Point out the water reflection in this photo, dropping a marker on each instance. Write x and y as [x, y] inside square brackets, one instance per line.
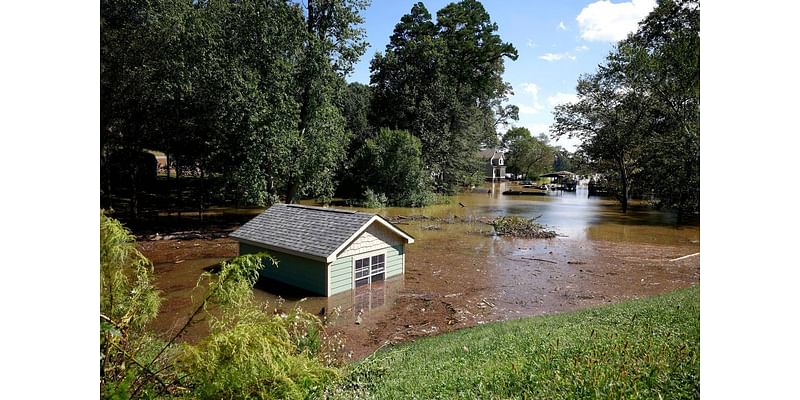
[571, 214]
[371, 298]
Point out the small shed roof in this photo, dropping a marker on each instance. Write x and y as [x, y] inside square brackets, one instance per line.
[312, 232]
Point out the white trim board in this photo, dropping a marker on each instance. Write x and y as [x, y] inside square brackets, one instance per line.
[333, 256]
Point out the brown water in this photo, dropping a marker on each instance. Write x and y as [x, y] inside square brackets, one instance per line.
[458, 274]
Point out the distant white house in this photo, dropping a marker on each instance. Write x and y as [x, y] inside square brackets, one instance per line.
[494, 164]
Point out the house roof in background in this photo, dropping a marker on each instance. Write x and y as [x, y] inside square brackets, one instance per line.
[489, 153]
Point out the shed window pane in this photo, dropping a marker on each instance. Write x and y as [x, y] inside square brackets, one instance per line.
[377, 268]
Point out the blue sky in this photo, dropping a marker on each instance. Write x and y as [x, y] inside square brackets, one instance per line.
[557, 41]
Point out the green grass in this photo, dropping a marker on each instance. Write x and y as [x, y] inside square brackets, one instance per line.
[647, 348]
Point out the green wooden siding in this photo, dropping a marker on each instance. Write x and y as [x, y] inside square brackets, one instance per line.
[296, 271]
[342, 268]
[341, 275]
[394, 260]
[313, 275]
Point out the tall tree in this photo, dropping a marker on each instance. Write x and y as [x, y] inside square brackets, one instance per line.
[442, 81]
[664, 56]
[610, 118]
[333, 43]
[639, 113]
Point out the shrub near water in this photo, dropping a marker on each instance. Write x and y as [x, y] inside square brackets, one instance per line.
[641, 349]
[249, 352]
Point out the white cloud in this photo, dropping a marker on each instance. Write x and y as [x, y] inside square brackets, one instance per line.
[582, 47]
[531, 88]
[531, 43]
[535, 107]
[561, 98]
[557, 56]
[611, 22]
[562, 26]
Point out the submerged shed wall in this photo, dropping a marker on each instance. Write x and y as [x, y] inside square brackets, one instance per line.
[293, 270]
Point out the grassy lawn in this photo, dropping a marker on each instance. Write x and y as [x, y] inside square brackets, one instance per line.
[646, 348]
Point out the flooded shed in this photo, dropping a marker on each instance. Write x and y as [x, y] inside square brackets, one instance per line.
[324, 250]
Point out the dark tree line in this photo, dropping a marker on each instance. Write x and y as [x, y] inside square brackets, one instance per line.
[248, 98]
[639, 114]
[244, 91]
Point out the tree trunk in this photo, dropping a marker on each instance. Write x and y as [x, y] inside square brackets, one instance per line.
[108, 204]
[178, 192]
[291, 191]
[202, 190]
[134, 205]
[624, 181]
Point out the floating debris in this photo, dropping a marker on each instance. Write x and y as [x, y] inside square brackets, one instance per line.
[521, 227]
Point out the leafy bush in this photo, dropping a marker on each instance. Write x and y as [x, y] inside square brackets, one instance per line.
[249, 353]
[374, 200]
[392, 164]
[128, 301]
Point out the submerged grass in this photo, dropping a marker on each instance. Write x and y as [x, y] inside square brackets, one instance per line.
[647, 348]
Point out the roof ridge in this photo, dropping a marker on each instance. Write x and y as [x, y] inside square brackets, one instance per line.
[324, 209]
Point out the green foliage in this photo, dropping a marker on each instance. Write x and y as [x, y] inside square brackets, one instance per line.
[639, 114]
[442, 82]
[391, 164]
[127, 295]
[528, 155]
[128, 301]
[563, 160]
[370, 199]
[521, 227]
[647, 348]
[241, 90]
[248, 353]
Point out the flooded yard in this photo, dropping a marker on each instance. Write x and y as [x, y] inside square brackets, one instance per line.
[458, 274]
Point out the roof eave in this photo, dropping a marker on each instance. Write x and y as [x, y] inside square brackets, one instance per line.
[282, 249]
[408, 238]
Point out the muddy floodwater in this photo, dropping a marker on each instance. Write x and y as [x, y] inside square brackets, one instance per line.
[458, 274]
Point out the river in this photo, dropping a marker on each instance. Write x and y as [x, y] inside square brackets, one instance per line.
[458, 274]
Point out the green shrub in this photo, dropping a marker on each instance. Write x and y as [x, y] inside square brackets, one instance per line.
[248, 353]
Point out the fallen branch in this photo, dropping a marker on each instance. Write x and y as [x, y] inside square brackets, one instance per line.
[539, 259]
[681, 258]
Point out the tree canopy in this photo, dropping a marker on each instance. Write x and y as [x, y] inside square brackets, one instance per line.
[244, 90]
[527, 155]
[638, 115]
[442, 82]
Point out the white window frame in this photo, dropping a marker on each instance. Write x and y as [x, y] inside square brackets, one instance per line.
[370, 275]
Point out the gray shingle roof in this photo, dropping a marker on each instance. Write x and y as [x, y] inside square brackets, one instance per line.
[314, 231]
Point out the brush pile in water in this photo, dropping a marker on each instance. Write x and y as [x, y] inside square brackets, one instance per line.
[521, 227]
